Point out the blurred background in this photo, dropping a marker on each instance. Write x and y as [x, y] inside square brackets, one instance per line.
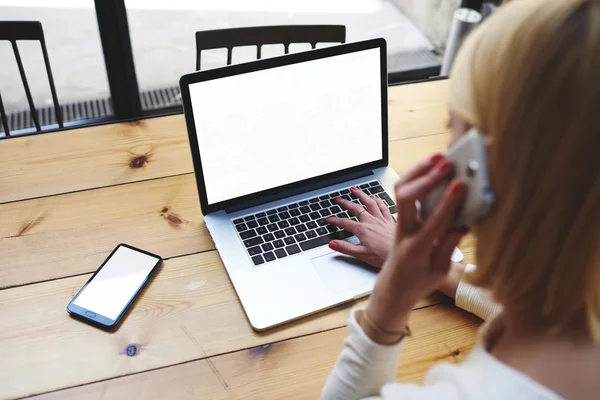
[163, 44]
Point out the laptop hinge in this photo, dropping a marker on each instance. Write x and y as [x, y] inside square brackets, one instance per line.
[302, 189]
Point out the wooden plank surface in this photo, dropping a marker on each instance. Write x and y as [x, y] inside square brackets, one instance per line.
[292, 369]
[418, 109]
[65, 235]
[67, 198]
[189, 311]
[79, 159]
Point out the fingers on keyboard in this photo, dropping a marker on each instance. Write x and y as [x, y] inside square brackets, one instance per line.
[294, 228]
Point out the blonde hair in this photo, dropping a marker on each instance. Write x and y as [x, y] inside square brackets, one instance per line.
[530, 78]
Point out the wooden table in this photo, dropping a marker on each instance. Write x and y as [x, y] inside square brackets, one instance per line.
[66, 200]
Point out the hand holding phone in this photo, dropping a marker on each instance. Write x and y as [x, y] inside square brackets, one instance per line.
[419, 259]
[109, 293]
[468, 156]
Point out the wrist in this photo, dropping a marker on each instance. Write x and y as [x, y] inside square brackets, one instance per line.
[450, 284]
[389, 314]
[377, 334]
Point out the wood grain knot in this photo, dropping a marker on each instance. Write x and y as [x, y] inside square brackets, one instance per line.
[261, 351]
[135, 123]
[172, 218]
[138, 162]
[131, 350]
[456, 353]
[29, 225]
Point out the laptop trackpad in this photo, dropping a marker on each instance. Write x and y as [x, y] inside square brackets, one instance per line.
[345, 276]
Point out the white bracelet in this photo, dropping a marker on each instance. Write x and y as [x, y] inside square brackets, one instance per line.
[405, 333]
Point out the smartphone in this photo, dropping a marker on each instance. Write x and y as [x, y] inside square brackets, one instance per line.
[468, 156]
[109, 293]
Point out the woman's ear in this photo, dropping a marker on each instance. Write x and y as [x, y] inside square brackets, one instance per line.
[459, 127]
[488, 142]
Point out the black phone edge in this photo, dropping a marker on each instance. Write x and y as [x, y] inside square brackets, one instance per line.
[82, 317]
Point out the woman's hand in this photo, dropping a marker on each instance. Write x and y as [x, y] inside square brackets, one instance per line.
[375, 230]
[450, 285]
[376, 227]
[419, 259]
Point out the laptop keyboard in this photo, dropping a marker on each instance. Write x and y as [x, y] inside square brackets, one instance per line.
[297, 227]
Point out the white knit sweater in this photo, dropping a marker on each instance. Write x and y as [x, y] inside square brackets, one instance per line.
[367, 370]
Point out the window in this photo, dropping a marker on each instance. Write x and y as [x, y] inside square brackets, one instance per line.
[163, 34]
[76, 58]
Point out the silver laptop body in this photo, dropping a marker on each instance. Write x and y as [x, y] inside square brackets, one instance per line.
[274, 142]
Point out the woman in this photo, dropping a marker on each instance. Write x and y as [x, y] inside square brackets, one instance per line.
[530, 78]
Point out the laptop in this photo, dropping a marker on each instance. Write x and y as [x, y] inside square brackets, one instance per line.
[274, 142]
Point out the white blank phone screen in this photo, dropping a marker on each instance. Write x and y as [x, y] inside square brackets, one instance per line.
[265, 129]
[112, 288]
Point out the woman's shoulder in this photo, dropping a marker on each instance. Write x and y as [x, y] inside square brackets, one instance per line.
[479, 376]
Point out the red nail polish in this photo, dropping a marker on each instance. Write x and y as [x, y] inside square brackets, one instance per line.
[333, 245]
[435, 158]
[338, 198]
[354, 188]
[444, 166]
[456, 186]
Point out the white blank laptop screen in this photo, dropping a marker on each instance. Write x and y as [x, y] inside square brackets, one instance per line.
[269, 128]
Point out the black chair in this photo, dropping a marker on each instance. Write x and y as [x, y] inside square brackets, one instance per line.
[264, 35]
[28, 30]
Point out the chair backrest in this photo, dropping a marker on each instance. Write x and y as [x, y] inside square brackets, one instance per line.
[264, 35]
[28, 30]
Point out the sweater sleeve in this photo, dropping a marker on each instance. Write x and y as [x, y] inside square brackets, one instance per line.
[475, 300]
[363, 367]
